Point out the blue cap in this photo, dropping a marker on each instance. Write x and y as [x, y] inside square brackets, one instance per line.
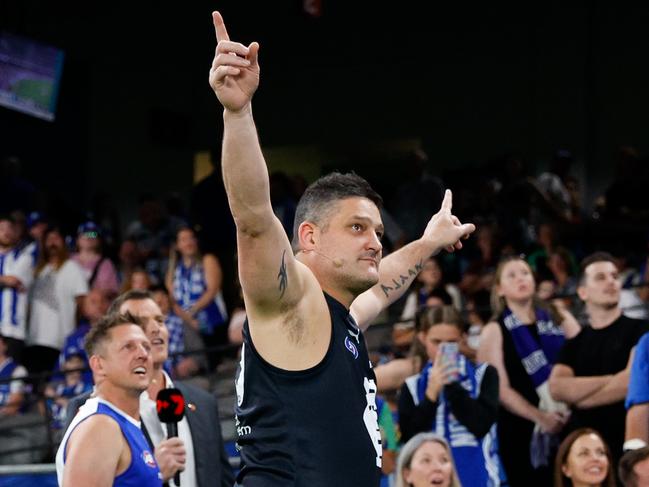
[34, 217]
[89, 229]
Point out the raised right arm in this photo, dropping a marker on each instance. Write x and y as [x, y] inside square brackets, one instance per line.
[269, 273]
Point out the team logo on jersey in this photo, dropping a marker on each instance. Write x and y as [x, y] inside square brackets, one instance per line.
[349, 345]
[148, 459]
[356, 334]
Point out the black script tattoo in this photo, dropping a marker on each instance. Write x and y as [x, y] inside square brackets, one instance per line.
[282, 276]
[403, 280]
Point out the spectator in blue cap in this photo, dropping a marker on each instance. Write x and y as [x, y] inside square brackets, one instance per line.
[98, 269]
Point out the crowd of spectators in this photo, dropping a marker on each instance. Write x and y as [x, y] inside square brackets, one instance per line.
[548, 304]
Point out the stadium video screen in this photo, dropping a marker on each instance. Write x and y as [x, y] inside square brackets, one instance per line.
[30, 73]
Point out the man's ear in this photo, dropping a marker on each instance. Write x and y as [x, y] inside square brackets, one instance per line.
[95, 365]
[582, 293]
[308, 235]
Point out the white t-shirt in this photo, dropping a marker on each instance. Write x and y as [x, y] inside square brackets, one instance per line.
[53, 307]
[13, 304]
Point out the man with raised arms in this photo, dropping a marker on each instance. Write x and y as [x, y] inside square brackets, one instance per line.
[306, 412]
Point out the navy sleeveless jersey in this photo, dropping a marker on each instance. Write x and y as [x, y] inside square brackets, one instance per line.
[316, 427]
[143, 470]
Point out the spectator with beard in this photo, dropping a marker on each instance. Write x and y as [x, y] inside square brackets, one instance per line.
[592, 370]
[15, 279]
[59, 288]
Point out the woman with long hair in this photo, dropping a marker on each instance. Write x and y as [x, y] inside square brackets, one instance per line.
[426, 460]
[195, 283]
[584, 460]
[522, 341]
[454, 398]
[98, 269]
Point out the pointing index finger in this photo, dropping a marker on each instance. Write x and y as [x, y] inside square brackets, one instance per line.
[219, 27]
[447, 202]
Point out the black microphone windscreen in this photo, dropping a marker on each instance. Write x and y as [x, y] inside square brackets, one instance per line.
[170, 405]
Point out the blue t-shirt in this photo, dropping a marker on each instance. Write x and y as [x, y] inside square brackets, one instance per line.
[638, 391]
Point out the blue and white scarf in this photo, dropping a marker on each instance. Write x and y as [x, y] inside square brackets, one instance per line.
[537, 357]
[476, 459]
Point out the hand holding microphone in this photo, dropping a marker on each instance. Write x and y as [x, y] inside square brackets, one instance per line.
[170, 405]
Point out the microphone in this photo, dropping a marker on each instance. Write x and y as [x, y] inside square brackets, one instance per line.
[336, 261]
[170, 405]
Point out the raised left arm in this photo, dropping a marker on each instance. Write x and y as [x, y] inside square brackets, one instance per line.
[398, 270]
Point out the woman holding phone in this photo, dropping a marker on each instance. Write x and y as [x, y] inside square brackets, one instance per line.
[454, 398]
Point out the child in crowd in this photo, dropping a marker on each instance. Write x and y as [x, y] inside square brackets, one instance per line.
[59, 393]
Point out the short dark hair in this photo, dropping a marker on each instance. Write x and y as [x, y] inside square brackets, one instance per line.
[591, 259]
[6, 217]
[628, 461]
[132, 295]
[99, 333]
[314, 205]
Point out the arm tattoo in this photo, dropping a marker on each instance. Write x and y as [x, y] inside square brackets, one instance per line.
[282, 276]
[402, 280]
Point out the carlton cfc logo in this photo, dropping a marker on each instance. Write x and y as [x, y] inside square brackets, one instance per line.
[148, 459]
[349, 345]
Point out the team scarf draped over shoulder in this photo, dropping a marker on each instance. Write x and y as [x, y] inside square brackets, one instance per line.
[476, 459]
[537, 356]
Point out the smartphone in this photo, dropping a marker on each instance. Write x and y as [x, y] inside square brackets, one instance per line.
[450, 355]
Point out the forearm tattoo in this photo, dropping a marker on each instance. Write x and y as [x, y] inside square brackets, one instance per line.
[282, 276]
[398, 283]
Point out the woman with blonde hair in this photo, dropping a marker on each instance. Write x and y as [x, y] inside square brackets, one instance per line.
[522, 342]
[426, 460]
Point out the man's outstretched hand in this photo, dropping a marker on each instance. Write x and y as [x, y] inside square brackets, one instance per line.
[445, 229]
[234, 75]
